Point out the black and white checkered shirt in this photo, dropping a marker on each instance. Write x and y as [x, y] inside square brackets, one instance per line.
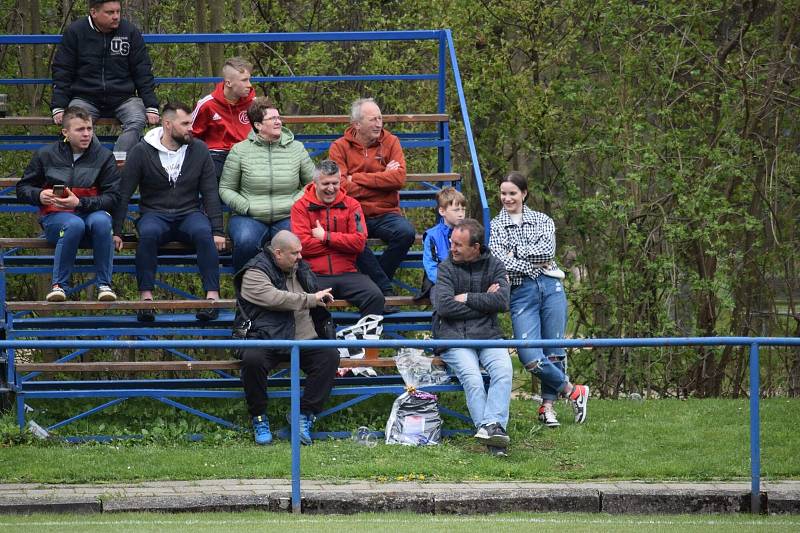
[523, 248]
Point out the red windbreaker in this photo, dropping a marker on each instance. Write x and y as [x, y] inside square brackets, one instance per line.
[345, 231]
[219, 123]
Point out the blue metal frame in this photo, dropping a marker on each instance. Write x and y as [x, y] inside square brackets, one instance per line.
[21, 325]
[294, 392]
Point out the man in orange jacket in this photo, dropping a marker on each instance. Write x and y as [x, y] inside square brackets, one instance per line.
[373, 172]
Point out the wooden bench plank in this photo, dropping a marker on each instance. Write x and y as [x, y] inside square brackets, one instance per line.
[130, 305]
[287, 119]
[40, 243]
[411, 178]
[178, 366]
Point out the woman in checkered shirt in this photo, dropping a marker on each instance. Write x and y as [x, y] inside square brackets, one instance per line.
[525, 240]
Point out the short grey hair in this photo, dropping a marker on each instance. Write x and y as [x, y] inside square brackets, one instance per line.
[327, 167]
[355, 109]
[282, 240]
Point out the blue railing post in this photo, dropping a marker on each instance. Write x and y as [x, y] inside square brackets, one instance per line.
[462, 102]
[755, 431]
[444, 164]
[295, 429]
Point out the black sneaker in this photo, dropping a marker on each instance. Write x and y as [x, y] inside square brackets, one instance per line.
[205, 315]
[493, 435]
[146, 315]
[497, 451]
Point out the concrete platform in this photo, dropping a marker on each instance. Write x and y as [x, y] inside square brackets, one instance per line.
[346, 497]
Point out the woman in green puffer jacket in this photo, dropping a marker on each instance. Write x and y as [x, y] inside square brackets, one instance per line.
[262, 178]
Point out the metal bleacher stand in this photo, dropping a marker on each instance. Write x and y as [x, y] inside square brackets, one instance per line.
[113, 322]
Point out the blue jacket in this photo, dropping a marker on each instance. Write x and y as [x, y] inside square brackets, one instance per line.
[435, 248]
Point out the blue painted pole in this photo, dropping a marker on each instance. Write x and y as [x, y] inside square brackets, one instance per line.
[295, 429]
[755, 431]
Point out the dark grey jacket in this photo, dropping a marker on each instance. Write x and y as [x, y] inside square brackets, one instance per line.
[477, 318]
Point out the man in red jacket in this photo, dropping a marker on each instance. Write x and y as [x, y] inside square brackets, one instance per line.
[330, 226]
[220, 118]
[373, 172]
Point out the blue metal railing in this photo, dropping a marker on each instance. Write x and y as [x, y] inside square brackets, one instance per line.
[754, 344]
[446, 50]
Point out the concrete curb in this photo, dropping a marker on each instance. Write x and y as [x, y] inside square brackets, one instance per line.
[321, 497]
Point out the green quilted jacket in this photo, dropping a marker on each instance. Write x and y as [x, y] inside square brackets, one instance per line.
[263, 179]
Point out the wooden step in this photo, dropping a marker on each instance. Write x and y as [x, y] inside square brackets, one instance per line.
[180, 366]
[286, 119]
[411, 178]
[40, 243]
[131, 305]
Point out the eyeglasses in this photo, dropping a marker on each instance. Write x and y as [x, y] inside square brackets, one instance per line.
[272, 119]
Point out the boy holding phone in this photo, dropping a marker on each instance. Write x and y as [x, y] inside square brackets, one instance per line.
[74, 184]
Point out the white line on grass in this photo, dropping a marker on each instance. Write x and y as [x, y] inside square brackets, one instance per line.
[352, 520]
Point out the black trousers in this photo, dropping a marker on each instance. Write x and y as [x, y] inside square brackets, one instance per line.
[318, 364]
[356, 288]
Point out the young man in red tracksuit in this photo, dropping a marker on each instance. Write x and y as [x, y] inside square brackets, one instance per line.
[220, 118]
[331, 229]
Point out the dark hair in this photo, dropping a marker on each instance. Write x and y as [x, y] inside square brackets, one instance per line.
[517, 179]
[475, 229]
[326, 168]
[172, 106]
[258, 109]
[74, 112]
[94, 3]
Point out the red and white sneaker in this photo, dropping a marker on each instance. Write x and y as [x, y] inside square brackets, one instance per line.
[547, 416]
[579, 398]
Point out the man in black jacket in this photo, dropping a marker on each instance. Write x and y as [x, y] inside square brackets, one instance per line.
[471, 288]
[75, 185]
[277, 298]
[102, 65]
[173, 172]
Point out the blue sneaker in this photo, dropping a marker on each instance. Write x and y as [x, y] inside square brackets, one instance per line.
[261, 430]
[306, 422]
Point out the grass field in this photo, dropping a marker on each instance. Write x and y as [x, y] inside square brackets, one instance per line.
[648, 440]
[252, 521]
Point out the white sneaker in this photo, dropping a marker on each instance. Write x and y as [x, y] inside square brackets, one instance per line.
[105, 294]
[553, 271]
[56, 294]
[547, 416]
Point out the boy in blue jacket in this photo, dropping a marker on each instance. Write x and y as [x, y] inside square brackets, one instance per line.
[436, 240]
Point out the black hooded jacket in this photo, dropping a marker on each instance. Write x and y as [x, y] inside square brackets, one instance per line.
[103, 68]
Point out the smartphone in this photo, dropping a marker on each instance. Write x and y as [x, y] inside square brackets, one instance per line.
[59, 191]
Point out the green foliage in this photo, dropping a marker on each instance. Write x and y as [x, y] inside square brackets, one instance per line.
[660, 136]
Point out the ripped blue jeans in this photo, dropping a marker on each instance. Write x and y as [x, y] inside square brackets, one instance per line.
[539, 311]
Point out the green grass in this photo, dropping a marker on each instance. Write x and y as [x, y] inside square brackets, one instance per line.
[649, 440]
[249, 521]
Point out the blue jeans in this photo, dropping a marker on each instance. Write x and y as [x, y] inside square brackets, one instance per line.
[250, 235]
[68, 231]
[156, 229]
[485, 406]
[398, 234]
[131, 114]
[539, 311]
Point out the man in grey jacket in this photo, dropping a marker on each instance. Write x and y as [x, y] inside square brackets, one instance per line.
[472, 287]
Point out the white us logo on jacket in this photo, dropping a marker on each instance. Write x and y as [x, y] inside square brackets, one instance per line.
[120, 46]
